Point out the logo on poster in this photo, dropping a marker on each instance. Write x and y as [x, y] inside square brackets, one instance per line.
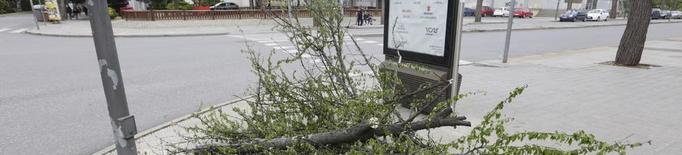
[431, 31]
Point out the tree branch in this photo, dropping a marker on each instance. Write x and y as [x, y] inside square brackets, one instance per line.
[362, 131]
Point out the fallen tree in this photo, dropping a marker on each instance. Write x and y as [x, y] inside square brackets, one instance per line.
[329, 106]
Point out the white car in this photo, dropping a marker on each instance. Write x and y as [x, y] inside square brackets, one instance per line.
[501, 12]
[598, 15]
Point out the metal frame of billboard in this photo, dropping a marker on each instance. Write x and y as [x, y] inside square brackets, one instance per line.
[449, 47]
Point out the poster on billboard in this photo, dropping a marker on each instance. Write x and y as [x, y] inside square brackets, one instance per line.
[420, 30]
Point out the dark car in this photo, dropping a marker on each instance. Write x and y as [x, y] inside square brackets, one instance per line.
[225, 6]
[573, 16]
[469, 12]
[666, 14]
[656, 14]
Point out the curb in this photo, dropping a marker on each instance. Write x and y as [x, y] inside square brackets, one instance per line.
[525, 29]
[127, 35]
[149, 131]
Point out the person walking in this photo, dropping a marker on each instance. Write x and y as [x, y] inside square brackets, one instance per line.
[359, 15]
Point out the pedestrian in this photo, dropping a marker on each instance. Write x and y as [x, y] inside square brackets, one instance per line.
[69, 12]
[85, 10]
[368, 18]
[359, 17]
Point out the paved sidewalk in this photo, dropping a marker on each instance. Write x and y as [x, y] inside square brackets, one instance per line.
[568, 91]
[122, 28]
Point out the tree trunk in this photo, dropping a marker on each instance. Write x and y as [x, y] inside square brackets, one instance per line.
[479, 6]
[614, 9]
[570, 5]
[632, 43]
[594, 4]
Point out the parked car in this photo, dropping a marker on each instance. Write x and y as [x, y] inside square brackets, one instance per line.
[676, 15]
[666, 14]
[573, 15]
[501, 12]
[225, 6]
[656, 14]
[523, 13]
[469, 12]
[598, 15]
[487, 11]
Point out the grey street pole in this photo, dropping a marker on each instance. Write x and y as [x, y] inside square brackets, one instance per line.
[122, 122]
[509, 29]
[289, 9]
[556, 13]
[454, 74]
[35, 19]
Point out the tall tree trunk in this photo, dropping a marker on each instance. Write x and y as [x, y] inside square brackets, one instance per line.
[479, 6]
[569, 6]
[594, 4]
[632, 43]
[614, 9]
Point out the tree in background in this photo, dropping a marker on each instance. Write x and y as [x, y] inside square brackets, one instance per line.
[632, 43]
[614, 9]
[5, 7]
[117, 4]
[570, 5]
[479, 6]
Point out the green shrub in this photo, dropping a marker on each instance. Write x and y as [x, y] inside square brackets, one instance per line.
[112, 13]
[5, 7]
[179, 6]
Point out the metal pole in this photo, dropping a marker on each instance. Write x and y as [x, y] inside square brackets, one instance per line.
[289, 9]
[454, 74]
[123, 123]
[556, 13]
[42, 7]
[509, 29]
[35, 19]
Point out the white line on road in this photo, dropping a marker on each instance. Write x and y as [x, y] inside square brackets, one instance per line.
[3, 29]
[271, 44]
[464, 62]
[290, 51]
[18, 30]
[370, 42]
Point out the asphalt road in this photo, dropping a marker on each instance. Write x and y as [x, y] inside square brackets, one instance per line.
[51, 93]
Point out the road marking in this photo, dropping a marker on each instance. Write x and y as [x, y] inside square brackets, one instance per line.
[315, 61]
[370, 42]
[284, 47]
[359, 39]
[464, 62]
[271, 41]
[18, 30]
[235, 36]
[3, 29]
[271, 44]
[290, 51]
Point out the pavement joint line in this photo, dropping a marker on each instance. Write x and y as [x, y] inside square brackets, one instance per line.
[152, 130]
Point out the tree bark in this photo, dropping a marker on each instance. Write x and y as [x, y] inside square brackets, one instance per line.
[614, 9]
[569, 6]
[632, 43]
[479, 6]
